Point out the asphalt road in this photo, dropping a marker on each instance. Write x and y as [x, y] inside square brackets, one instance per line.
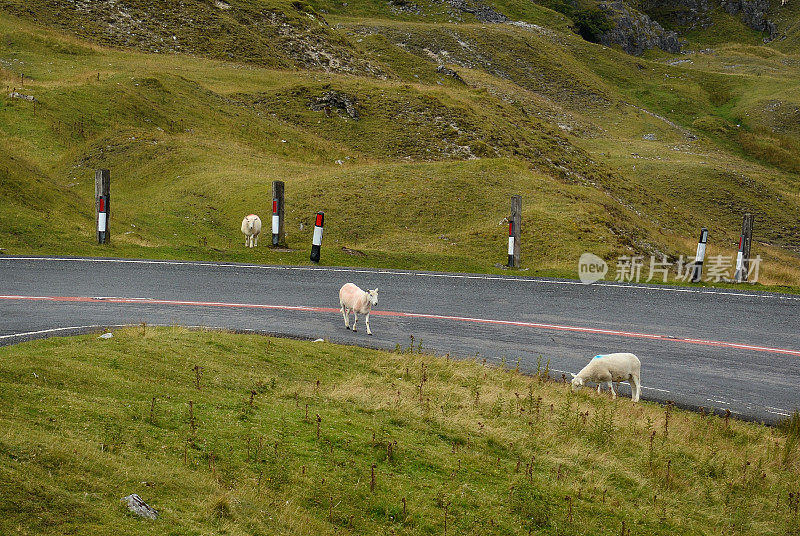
[725, 349]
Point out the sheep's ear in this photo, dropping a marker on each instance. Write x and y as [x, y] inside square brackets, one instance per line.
[574, 375]
[376, 290]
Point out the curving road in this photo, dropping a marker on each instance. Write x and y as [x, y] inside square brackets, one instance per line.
[725, 349]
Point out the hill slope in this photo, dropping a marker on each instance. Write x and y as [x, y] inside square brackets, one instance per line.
[612, 154]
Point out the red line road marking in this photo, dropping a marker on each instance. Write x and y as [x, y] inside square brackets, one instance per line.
[555, 327]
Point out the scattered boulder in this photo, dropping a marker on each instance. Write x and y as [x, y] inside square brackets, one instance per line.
[354, 252]
[405, 6]
[139, 507]
[441, 69]
[17, 95]
[338, 100]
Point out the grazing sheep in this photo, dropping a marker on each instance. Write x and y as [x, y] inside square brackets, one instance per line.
[352, 298]
[610, 368]
[251, 227]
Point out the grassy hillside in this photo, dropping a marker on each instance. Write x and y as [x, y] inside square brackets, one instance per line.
[612, 154]
[236, 434]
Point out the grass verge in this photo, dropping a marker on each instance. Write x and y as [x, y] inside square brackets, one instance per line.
[238, 434]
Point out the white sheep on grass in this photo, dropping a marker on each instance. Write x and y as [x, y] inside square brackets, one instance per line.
[608, 368]
[251, 227]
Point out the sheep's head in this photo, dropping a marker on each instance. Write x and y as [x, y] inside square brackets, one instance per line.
[577, 382]
[373, 296]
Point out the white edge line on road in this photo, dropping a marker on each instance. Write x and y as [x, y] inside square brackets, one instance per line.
[778, 413]
[56, 330]
[762, 295]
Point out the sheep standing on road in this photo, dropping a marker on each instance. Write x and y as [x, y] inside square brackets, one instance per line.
[352, 298]
[251, 227]
[610, 368]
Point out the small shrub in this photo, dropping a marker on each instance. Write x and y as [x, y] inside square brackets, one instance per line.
[531, 504]
[221, 507]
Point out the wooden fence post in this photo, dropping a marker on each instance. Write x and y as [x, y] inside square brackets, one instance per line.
[102, 204]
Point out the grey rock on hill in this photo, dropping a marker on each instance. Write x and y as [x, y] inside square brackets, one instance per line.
[636, 32]
[753, 14]
[680, 14]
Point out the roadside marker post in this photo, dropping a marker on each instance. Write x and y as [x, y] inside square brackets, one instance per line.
[102, 204]
[278, 230]
[316, 240]
[697, 267]
[511, 244]
[275, 222]
[743, 255]
[513, 231]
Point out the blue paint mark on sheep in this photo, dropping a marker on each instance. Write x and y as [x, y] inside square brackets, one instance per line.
[595, 357]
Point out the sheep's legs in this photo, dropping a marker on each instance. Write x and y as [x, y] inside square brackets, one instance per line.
[355, 319]
[256, 241]
[598, 388]
[366, 321]
[611, 387]
[636, 388]
[346, 316]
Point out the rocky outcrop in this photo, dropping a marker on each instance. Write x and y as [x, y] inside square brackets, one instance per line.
[684, 15]
[481, 11]
[441, 69]
[336, 100]
[634, 31]
[753, 14]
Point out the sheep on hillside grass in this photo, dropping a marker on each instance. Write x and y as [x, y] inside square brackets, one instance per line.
[251, 227]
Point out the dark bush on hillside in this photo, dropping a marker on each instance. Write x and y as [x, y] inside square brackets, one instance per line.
[591, 24]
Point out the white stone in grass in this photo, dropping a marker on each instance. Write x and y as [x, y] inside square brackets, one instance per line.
[139, 507]
[106, 336]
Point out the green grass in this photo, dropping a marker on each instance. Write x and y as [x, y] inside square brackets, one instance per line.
[194, 141]
[282, 436]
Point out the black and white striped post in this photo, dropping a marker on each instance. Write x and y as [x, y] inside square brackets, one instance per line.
[102, 204]
[276, 223]
[278, 231]
[737, 276]
[697, 267]
[316, 241]
[743, 255]
[511, 244]
[513, 231]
